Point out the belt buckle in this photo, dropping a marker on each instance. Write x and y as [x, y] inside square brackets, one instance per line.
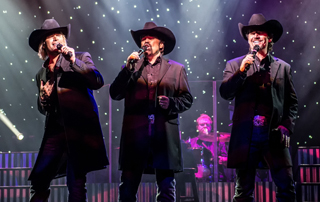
[259, 120]
[151, 118]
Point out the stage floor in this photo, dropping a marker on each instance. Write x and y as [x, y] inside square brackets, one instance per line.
[108, 192]
[15, 168]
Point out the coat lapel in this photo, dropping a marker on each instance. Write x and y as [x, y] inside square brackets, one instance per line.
[273, 68]
[275, 65]
[138, 68]
[43, 75]
[44, 71]
[163, 69]
[64, 64]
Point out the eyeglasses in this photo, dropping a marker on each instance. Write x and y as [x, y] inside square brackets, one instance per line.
[204, 124]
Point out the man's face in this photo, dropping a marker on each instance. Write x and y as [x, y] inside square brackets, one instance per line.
[52, 41]
[204, 126]
[258, 38]
[152, 43]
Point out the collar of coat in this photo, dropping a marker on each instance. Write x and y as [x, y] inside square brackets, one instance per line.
[274, 67]
[164, 67]
[61, 62]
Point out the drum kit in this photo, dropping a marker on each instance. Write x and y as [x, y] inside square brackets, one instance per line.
[202, 170]
[200, 154]
[224, 137]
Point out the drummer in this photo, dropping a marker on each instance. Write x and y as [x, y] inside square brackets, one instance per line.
[205, 140]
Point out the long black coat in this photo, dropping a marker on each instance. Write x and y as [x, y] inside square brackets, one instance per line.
[75, 85]
[135, 142]
[284, 112]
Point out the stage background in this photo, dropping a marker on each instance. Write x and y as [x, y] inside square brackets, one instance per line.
[207, 36]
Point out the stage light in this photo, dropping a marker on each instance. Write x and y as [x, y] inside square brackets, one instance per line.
[20, 137]
[8, 123]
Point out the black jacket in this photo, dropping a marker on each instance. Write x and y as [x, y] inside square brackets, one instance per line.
[79, 111]
[164, 146]
[284, 112]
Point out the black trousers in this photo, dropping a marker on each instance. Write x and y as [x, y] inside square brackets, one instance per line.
[245, 179]
[54, 148]
[130, 180]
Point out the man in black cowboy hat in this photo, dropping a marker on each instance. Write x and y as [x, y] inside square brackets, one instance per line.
[265, 111]
[73, 142]
[155, 90]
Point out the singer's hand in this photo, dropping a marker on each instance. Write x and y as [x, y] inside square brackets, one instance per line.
[248, 60]
[285, 136]
[135, 57]
[163, 101]
[46, 90]
[65, 51]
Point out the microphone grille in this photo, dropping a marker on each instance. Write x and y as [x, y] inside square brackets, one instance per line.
[256, 47]
[144, 48]
[59, 46]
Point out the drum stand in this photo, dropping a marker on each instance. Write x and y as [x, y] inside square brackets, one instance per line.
[188, 175]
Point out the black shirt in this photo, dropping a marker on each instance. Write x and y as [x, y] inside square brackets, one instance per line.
[153, 71]
[262, 82]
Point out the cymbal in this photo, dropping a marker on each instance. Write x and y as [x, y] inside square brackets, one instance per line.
[219, 133]
[224, 133]
[207, 138]
[224, 137]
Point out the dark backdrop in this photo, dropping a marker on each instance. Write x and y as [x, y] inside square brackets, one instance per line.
[207, 36]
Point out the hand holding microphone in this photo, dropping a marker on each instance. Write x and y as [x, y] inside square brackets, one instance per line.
[249, 59]
[67, 52]
[135, 56]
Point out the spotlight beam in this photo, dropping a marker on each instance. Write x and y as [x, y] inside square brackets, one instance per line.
[8, 123]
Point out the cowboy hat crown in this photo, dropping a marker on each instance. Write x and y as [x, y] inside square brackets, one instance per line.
[48, 27]
[259, 22]
[163, 33]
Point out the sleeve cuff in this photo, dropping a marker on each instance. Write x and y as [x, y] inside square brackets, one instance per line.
[243, 74]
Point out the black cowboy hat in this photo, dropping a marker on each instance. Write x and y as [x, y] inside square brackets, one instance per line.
[48, 27]
[163, 33]
[258, 22]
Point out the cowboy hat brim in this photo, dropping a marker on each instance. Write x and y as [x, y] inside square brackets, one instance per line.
[163, 33]
[271, 26]
[37, 36]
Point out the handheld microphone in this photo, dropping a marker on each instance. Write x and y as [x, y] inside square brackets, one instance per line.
[255, 49]
[140, 52]
[59, 46]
